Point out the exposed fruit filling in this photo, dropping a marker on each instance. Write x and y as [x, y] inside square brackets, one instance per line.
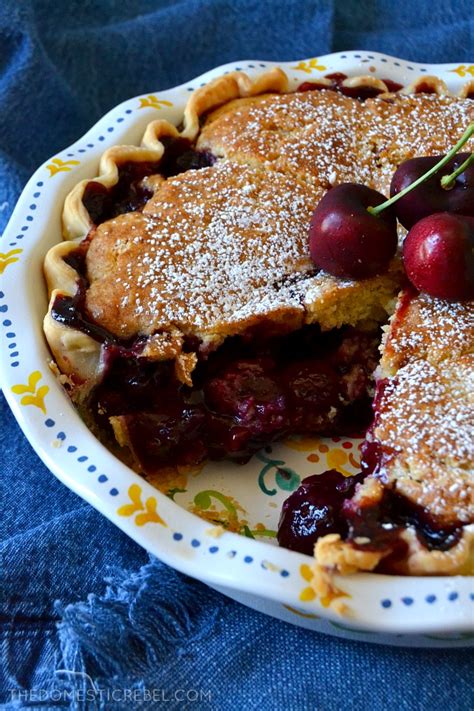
[131, 193]
[325, 503]
[245, 396]
[248, 392]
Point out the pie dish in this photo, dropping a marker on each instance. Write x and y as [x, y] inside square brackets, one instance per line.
[87, 358]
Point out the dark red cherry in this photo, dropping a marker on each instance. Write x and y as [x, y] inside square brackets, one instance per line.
[314, 510]
[247, 391]
[161, 439]
[430, 196]
[438, 254]
[345, 239]
[312, 388]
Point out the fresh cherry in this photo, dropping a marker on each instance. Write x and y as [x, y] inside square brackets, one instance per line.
[314, 510]
[349, 236]
[438, 254]
[345, 239]
[430, 196]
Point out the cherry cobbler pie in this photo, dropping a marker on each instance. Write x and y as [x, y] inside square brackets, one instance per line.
[190, 319]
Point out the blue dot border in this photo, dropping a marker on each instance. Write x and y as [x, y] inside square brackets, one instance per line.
[213, 549]
[9, 334]
[428, 599]
[84, 459]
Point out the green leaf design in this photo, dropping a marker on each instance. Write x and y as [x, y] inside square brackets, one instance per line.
[203, 500]
[285, 478]
[264, 532]
[172, 492]
[247, 532]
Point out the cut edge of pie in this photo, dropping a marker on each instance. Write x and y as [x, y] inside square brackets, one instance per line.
[421, 443]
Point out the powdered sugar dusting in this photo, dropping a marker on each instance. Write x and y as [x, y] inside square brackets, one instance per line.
[327, 138]
[317, 135]
[431, 328]
[212, 246]
[431, 409]
[411, 126]
[426, 414]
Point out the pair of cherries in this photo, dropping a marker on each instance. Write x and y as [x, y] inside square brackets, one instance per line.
[353, 232]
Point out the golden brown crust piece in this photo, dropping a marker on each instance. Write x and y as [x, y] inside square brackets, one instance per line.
[221, 92]
[425, 415]
[424, 327]
[426, 408]
[214, 252]
[411, 126]
[332, 555]
[326, 138]
[314, 135]
[76, 220]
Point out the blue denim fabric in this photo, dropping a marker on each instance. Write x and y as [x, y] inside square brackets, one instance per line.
[76, 593]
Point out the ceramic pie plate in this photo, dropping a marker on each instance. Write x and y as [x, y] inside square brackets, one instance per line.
[244, 561]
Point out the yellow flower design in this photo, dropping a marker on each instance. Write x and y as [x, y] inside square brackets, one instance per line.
[153, 102]
[309, 66]
[302, 444]
[60, 166]
[35, 396]
[145, 513]
[307, 594]
[9, 258]
[336, 458]
[150, 515]
[332, 595]
[464, 70]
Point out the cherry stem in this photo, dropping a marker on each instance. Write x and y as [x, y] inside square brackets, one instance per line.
[447, 181]
[464, 138]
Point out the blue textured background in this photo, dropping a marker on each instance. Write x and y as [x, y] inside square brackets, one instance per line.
[126, 621]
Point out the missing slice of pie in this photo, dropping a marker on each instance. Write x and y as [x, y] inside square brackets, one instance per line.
[186, 317]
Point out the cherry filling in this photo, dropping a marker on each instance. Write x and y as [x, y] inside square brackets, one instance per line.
[126, 195]
[246, 394]
[180, 156]
[357, 92]
[71, 311]
[315, 509]
[380, 525]
[255, 388]
[129, 194]
[324, 504]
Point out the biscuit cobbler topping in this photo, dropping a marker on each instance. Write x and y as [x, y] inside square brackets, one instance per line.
[230, 283]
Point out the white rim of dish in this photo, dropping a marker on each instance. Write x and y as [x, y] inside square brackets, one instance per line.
[377, 603]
